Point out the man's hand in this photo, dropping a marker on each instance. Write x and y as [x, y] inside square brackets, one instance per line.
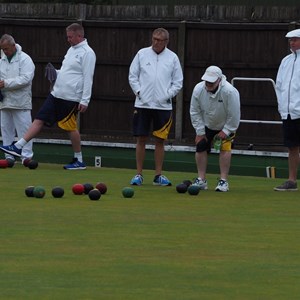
[198, 138]
[222, 135]
[82, 108]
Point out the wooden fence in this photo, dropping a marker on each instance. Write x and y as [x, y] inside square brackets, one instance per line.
[242, 47]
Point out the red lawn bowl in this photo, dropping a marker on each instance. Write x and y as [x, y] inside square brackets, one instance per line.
[78, 189]
[102, 187]
[3, 163]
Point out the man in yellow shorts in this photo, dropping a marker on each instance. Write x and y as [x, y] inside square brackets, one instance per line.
[70, 95]
[215, 115]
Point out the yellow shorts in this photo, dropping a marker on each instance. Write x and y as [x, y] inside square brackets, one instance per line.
[62, 112]
[69, 123]
[226, 145]
[164, 131]
[161, 121]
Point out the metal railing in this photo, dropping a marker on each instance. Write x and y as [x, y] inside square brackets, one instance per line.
[257, 79]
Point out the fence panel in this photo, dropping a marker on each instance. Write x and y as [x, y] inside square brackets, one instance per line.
[240, 49]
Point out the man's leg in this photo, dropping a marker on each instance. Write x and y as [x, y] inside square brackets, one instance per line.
[75, 140]
[33, 130]
[224, 161]
[8, 130]
[23, 121]
[201, 163]
[77, 162]
[293, 162]
[140, 153]
[159, 154]
[16, 149]
[76, 144]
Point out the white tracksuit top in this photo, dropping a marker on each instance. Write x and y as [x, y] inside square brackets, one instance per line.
[218, 111]
[75, 78]
[17, 75]
[288, 86]
[155, 78]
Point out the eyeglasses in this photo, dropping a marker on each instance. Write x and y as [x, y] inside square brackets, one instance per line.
[159, 40]
[294, 39]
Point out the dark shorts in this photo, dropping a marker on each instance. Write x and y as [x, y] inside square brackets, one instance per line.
[160, 120]
[206, 145]
[291, 132]
[63, 112]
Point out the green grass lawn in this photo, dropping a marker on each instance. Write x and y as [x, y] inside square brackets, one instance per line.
[243, 244]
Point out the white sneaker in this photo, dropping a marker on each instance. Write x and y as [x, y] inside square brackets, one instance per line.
[201, 183]
[222, 186]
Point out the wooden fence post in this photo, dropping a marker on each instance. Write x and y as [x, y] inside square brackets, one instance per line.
[179, 97]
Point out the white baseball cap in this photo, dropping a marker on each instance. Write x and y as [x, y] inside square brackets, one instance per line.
[212, 74]
[293, 33]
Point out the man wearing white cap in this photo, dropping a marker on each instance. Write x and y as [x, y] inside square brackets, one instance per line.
[215, 115]
[288, 97]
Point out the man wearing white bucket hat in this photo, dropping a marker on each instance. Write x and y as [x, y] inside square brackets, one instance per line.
[288, 97]
[215, 115]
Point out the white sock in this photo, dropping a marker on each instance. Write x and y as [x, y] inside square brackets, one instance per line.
[21, 143]
[78, 155]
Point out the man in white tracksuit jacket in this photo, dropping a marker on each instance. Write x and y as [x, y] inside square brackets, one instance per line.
[71, 94]
[155, 77]
[16, 75]
[215, 113]
[288, 97]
